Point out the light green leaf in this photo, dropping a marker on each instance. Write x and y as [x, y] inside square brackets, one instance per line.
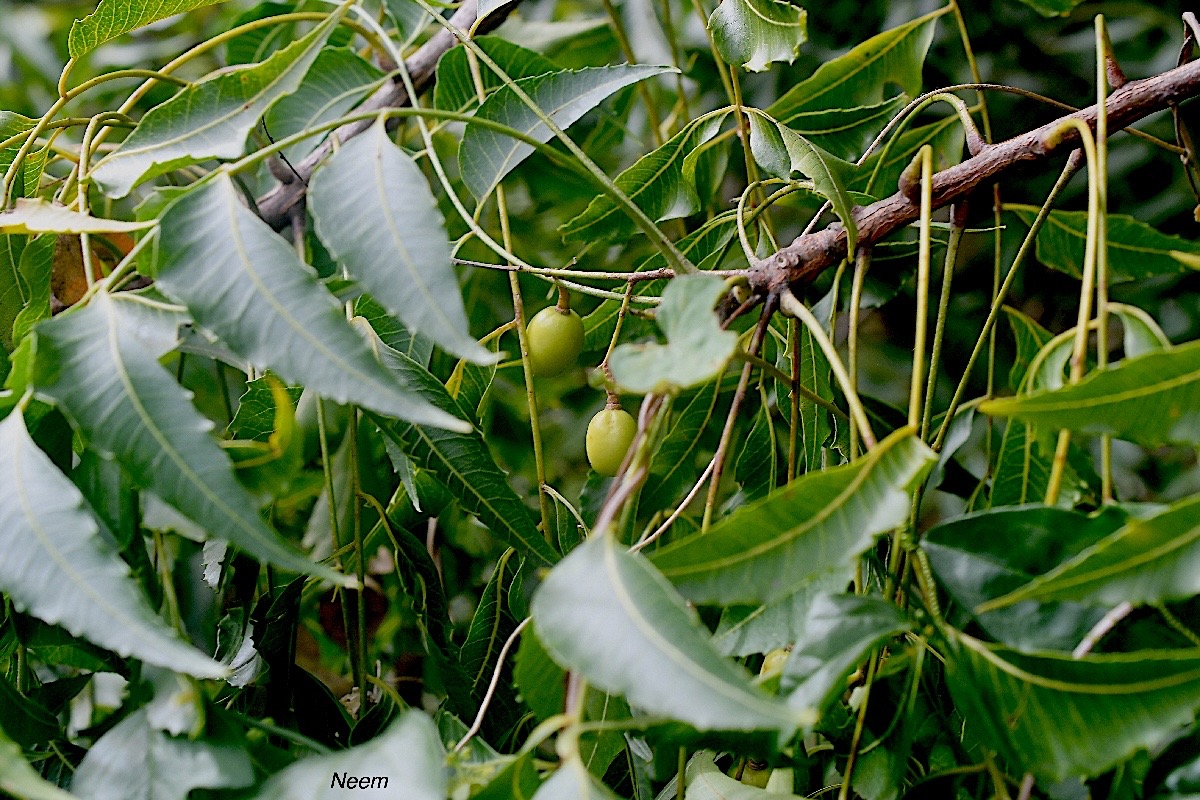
[1022, 469]
[463, 462]
[859, 77]
[485, 156]
[37, 265]
[572, 781]
[20, 780]
[210, 119]
[705, 781]
[660, 183]
[1135, 250]
[608, 614]
[374, 211]
[845, 132]
[696, 348]
[213, 250]
[93, 364]
[133, 761]
[1150, 560]
[455, 86]
[337, 81]
[747, 630]
[410, 18]
[115, 18]
[59, 568]
[41, 216]
[407, 758]
[782, 152]
[1150, 399]
[756, 33]
[817, 524]
[1058, 716]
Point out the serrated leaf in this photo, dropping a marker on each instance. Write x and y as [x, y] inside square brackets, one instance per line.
[455, 86]
[660, 183]
[755, 33]
[115, 18]
[817, 524]
[463, 462]
[485, 156]
[1136, 251]
[374, 211]
[218, 258]
[104, 376]
[845, 132]
[42, 216]
[1058, 716]
[133, 761]
[210, 119]
[696, 349]
[406, 758]
[19, 779]
[59, 568]
[608, 614]
[1149, 399]
[782, 152]
[859, 77]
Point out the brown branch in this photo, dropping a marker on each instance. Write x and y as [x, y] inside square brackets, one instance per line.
[277, 205]
[808, 255]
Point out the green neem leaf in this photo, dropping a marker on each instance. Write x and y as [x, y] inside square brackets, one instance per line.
[1052, 8]
[485, 156]
[860, 76]
[409, 16]
[20, 780]
[881, 171]
[817, 524]
[376, 214]
[696, 348]
[210, 119]
[1022, 469]
[463, 462]
[662, 183]
[407, 758]
[41, 216]
[1030, 338]
[133, 761]
[1151, 399]
[213, 249]
[746, 630]
[983, 556]
[455, 87]
[572, 781]
[704, 780]
[115, 18]
[1150, 560]
[97, 368]
[1058, 716]
[845, 132]
[337, 81]
[608, 614]
[60, 568]
[1135, 250]
[756, 33]
[782, 152]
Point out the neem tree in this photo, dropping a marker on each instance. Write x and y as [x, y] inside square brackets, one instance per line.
[294, 486]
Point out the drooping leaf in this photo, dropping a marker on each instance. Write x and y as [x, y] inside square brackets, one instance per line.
[572, 781]
[60, 568]
[860, 76]
[986, 555]
[210, 119]
[463, 462]
[756, 33]
[214, 250]
[37, 267]
[845, 132]
[455, 87]
[1058, 716]
[485, 156]
[1030, 339]
[754, 467]
[134, 761]
[609, 615]
[1022, 469]
[1135, 250]
[662, 183]
[782, 152]
[115, 18]
[1149, 399]
[42, 216]
[696, 349]
[103, 374]
[376, 214]
[19, 779]
[409, 17]
[674, 462]
[817, 524]
[747, 630]
[406, 758]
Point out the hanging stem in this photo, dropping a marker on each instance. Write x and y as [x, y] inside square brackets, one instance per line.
[918, 368]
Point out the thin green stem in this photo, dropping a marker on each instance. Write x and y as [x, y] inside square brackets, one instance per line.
[862, 264]
[923, 258]
[1106, 469]
[939, 331]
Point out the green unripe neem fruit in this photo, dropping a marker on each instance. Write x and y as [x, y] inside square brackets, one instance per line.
[555, 341]
[609, 435]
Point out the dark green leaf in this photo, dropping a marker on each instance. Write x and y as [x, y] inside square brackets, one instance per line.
[455, 87]
[756, 33]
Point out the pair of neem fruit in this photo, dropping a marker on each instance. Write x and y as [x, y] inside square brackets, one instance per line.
[555, 342]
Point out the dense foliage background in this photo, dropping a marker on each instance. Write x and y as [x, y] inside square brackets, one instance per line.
[814, 574]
